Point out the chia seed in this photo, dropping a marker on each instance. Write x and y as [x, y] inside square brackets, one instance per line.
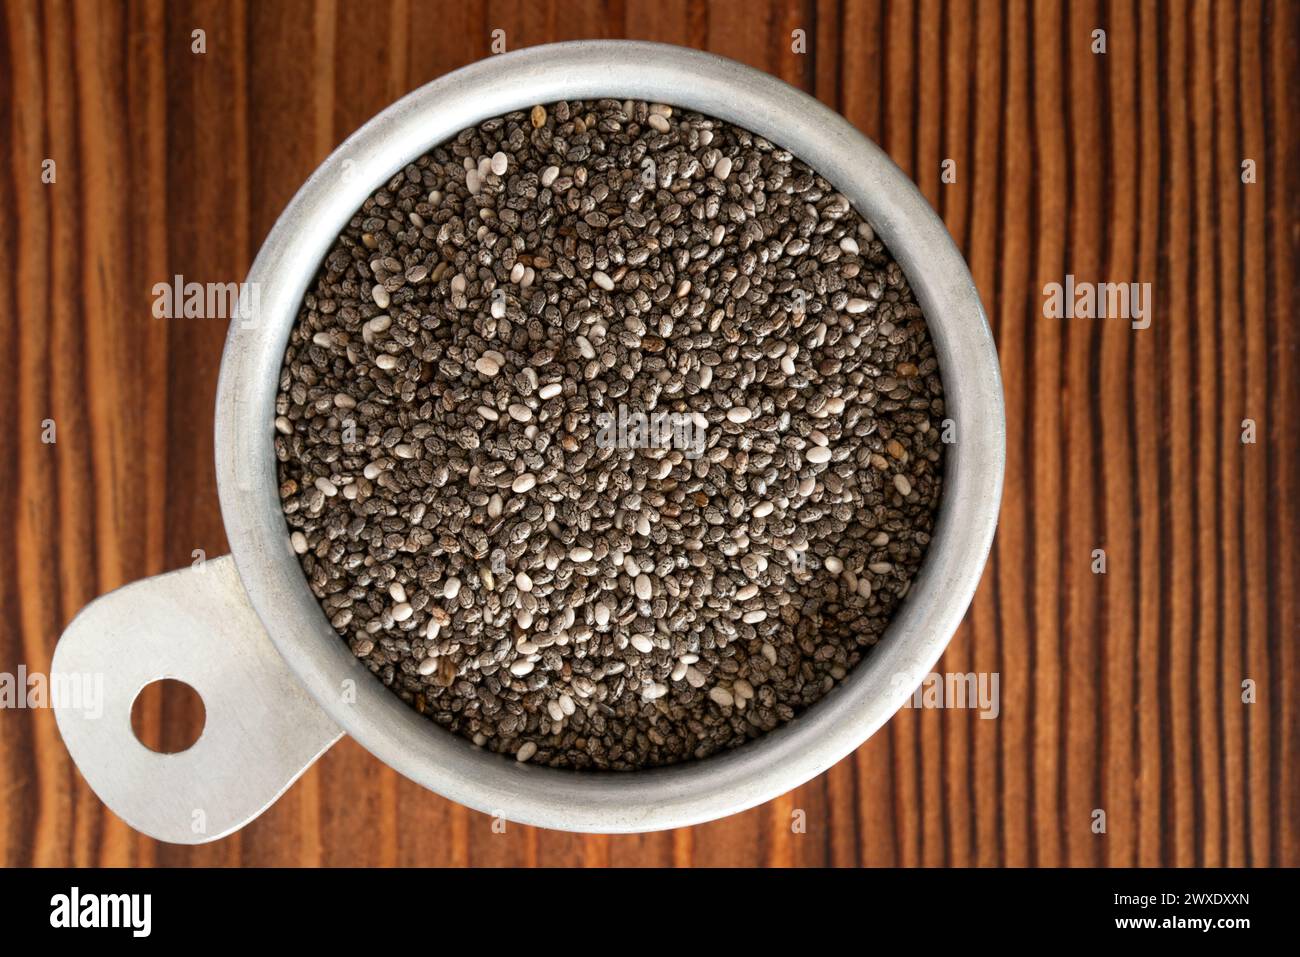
[587, 604]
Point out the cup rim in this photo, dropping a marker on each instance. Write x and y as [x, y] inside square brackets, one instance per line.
[695, 791]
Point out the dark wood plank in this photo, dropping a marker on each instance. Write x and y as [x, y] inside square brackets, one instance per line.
[1120, 692]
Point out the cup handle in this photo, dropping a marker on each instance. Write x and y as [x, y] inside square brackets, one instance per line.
[261, 729]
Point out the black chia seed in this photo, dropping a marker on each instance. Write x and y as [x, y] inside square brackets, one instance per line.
[549, 586]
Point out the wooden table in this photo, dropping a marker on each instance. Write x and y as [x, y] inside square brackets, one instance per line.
[1119, 691]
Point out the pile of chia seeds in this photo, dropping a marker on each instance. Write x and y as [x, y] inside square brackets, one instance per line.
[609, 435]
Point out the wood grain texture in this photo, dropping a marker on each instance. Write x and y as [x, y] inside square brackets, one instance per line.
[1119, 691]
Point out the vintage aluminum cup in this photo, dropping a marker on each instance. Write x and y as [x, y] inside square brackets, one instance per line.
[278, 685]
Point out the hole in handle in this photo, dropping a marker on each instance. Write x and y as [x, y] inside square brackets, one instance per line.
[167, 716]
